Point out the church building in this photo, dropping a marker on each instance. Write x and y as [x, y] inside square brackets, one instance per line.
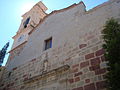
[61, 50]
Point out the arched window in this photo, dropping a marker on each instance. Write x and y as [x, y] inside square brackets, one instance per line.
[26, 22]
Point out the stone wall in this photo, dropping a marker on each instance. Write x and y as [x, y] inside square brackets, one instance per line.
[76, 59]
[1, 72]
[68, 26]
[81, 66]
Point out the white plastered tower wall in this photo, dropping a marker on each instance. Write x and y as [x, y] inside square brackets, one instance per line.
[36, 14]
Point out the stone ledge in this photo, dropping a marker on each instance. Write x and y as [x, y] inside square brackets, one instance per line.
[45, 74]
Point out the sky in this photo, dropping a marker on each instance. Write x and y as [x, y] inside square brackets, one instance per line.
[12, 10]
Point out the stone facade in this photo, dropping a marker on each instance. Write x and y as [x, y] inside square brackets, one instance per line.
[75, 61]
[1, 72]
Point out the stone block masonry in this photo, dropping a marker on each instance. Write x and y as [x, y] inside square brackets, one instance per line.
[85, 74]
[75, 61]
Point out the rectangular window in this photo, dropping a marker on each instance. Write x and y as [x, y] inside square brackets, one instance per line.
[48, 43]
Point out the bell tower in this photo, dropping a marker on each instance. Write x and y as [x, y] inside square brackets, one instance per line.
[30, 20]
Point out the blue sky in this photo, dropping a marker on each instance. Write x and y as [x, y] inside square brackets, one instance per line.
[12, 10]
